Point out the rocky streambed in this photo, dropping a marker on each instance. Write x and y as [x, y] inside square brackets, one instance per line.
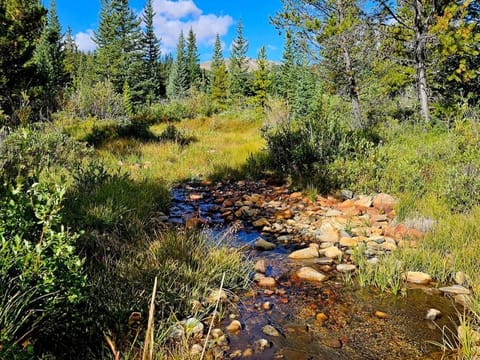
[305, 303]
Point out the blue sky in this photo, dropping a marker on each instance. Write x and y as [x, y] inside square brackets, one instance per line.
[206, 17]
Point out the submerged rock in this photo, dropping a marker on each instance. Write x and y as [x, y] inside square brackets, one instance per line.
[346, 268]
[270, 330]
[310, 274]
[262, 244]
[432, 314]
[234, 326]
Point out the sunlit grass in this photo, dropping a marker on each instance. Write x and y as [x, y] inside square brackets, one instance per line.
[220, 142]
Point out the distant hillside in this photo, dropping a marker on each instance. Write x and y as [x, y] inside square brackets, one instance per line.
[252, 64]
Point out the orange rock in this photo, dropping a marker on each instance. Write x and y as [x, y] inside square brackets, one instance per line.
[414, 233]
[384, 202]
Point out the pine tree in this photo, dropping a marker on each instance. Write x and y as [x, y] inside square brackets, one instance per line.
[49, 60]
[262, 78]
[219, 74]
[71, 54]
[193, 61]
[238, 69]
[178, 77]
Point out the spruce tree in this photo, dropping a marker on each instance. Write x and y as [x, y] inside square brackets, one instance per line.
[71, 54]
[49, 61]
[238, 68]
[193, 61]
[286, 75]
[178, 77]
[151, 85]
[262, 78]
[219, 74]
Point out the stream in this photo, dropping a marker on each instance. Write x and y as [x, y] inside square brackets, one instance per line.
[332, 319]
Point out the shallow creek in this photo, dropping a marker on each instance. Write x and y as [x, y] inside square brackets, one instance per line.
[334, 319]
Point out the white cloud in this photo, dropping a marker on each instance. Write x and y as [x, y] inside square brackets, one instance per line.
[174, 16]
[84, 40]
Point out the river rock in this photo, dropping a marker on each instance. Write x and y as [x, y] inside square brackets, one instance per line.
[381, 315]
[196, 350]
[363, 201]
[267, 305]
[176, 332]
[348, 242]
[261, 266]
[384, 202]
[310, 252]
[215, 294]
[247, 352]
[234, 326]
[270, 330]
[461, 278]
[346, 268]
[261, 345]
[262, 244]
[267, 282]
[216, 333]
[332, 252]
[455, 289]
[310, 274]
[417, 277]
[260, 223]
[433, 314]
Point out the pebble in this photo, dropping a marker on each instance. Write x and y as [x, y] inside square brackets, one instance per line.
[417, 277]
[261, 266]
[267, 282]
[310, 274]
[214, 295]
[461, 278]
[321, 318]
[433, 314]
[234, 326]
[308, 253]
[332, 252]
[236, 354]
[381, 315]
[194, 326]
[267, 305]
[216, 333]
[247, 352]
[196, 349]
[270, 330]
[455, 289]
[346, 268]
[261, 344]
[262, 244]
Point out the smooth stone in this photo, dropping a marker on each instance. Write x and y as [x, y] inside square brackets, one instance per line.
[267, 282]
[455, 289]
[324, 261]
[310, 274]
[346, 268]
[216, 333]
[261, 223]
[267, 305]
[214, 295]
[363, 201]
[433, 314]
[381, 315]
[388, 246]
[261, 266]
[463, 300]
[321, 318]
[236, 354]
[270, 330]
[222, 340]
[417, 277]
[234, 326]
[332, 252]
[308, 253]
[348, 242]
[196, 349]
[261, 345]
[373, 261]
[262, 244]
[461, 278]
[247, 352]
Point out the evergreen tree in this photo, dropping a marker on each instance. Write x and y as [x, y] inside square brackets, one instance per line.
[71, 54]
[178, 77]
[287, 75]
[219, 74]
[21, 25]
[262, 78]
[119, 45]
[49, 60]
[238, 68]
[151, 85]
[193, 61]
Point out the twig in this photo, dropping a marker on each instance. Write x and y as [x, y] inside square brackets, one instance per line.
[213, 317]
[148, 345]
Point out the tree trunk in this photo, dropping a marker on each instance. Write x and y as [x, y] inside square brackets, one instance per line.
[352, 83]
[420, 60]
